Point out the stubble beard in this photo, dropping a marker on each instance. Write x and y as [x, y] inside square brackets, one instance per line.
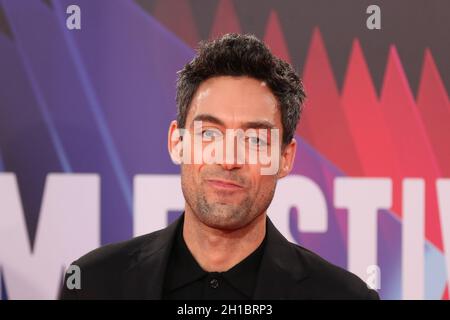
[218, 214]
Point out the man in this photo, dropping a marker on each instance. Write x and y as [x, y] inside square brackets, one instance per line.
[224, 246]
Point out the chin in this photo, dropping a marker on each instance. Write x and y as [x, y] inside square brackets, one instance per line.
[229, 220]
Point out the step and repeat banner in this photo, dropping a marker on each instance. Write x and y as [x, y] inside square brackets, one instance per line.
[87, 93]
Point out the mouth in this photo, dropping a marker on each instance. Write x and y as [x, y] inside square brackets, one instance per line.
[224, 184]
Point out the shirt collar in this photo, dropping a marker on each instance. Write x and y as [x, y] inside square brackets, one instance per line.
[242, 276]
[187, 268]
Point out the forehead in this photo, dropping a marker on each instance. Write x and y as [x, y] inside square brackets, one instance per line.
[235, 100]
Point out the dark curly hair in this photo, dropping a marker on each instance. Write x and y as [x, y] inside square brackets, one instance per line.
[242, 55]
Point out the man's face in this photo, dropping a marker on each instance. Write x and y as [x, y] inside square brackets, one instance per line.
[230, 195]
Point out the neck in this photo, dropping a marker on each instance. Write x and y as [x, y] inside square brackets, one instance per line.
[218, 250]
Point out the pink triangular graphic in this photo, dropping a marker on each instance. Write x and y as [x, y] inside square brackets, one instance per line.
[274, 38]
[225, 21]
[412, 147]
[324, 124]
[367, 125]
[434, 109]
[176, 15]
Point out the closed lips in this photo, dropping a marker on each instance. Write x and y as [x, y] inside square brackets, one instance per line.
[224, 183]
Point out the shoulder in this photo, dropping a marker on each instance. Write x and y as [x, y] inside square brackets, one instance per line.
[114, 255]
[328, 281]
[102, 270]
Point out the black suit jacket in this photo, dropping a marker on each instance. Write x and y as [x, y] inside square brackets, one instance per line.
[135, 269]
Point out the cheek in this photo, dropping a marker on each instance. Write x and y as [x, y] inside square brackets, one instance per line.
[186, 174]
[263, 184]
[191, 173]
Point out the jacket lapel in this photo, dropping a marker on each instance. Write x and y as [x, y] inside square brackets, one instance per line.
[281, 269]
[144, 278]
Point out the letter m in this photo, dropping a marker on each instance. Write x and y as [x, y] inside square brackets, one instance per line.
[68, 227]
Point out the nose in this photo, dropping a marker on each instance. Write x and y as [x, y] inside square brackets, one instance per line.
[234, 155]
[231, 166]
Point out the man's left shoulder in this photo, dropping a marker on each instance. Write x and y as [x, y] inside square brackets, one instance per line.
[328, 281]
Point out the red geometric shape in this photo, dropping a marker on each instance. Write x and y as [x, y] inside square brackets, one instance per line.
[412, 147]
[434, 108]
[274, 38]
[445, 293]
[365, 119]
[177, 16]
[324, 124]
[225, 21]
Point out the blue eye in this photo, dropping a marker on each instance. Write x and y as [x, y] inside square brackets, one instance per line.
[256, 141]
[209, 133]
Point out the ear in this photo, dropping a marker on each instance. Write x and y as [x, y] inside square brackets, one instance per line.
[175, 143]
[287, 158]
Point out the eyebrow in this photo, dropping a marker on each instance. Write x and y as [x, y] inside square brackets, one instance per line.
[258, 124]
[208, 118]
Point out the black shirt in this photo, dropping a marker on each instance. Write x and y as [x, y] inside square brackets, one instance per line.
[185, 278]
